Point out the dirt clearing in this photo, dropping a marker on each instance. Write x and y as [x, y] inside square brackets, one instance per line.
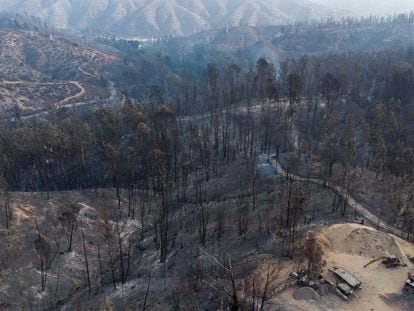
[351, 247]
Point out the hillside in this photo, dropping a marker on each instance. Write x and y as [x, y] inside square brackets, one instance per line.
[160, 18]
[122, 264]
[42, 69]
[33, 56]
[246, 168]
[247, 44]
[130, 207]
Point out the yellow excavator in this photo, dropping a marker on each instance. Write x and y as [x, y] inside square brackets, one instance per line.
[389, 261]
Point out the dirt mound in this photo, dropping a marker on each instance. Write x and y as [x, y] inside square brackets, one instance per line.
[323, 241]
[305, 293]
[362, 241]
[407, 247]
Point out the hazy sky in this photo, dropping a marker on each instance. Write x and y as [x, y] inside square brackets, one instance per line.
[369, 7]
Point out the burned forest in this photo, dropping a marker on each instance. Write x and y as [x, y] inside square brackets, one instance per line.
[176, 174]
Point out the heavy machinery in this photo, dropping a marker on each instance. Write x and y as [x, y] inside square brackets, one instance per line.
[389, 261]
[346, 283]
[409, 285]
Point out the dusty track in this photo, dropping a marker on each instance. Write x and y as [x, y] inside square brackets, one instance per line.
[77, 84]
[57, 104]
[360, 208]
[81, 93]
[86, 64]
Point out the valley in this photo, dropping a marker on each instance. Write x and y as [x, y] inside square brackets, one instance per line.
[161, 18]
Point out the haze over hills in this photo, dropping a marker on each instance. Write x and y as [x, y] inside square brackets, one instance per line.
[371, 7]
[161, 17]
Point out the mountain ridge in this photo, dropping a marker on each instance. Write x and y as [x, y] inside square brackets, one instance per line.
[166, 18]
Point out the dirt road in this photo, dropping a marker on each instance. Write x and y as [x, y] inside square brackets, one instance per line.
[361, 209]
[65, 102]
[86, 64]
[60, 103]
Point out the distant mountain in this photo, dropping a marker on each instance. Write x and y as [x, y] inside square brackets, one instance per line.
[244, 45]
[165, 17]
[371, 7]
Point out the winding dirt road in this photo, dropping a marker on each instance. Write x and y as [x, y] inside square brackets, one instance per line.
[64, 102]
[58, 104]
[81, 93]
[66, 99]
[361, 209]
[86, 64]
[77, 84]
